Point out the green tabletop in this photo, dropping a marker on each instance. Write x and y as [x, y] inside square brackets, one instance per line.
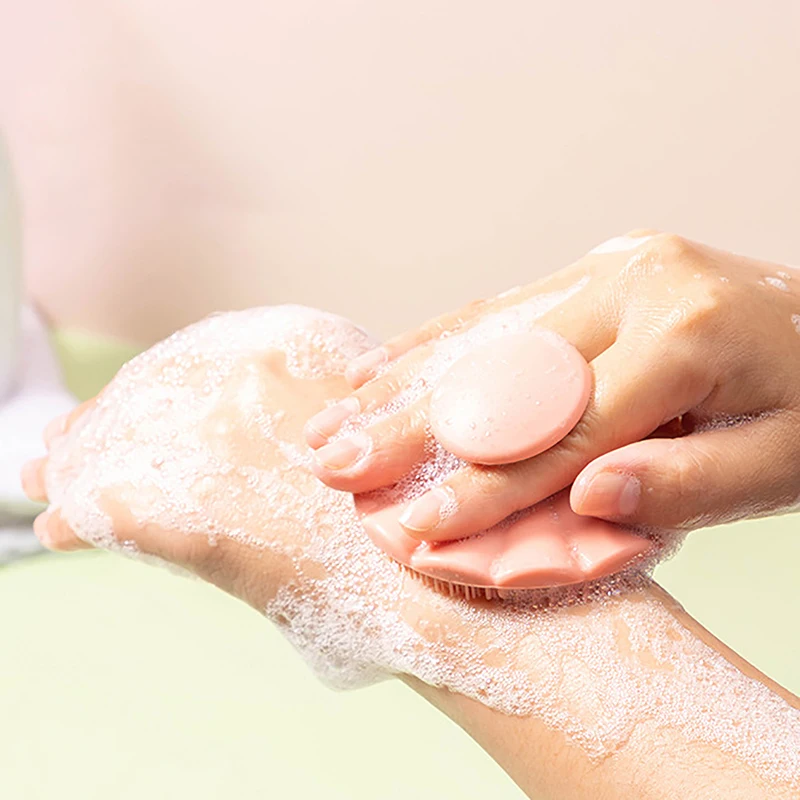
[122, 681]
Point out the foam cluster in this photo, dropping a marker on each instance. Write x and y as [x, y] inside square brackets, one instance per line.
[194, 454]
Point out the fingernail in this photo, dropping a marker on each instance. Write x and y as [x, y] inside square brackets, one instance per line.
[324, 424]
[610, 494]
[361, 369]
[428, 511]
[345, 452]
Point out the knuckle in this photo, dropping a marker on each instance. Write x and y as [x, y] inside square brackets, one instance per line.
[476, 484]
[437, 327]
[583, 434]
[374, 395]
[687, 470]
[401, 429]
[400, 345]
[472, 308]
[662, 253]
[672, 250]
[692, 489]
[700, 308]
[707, 301]
[581, 442]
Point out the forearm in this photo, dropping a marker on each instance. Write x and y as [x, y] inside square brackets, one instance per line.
[638, 726]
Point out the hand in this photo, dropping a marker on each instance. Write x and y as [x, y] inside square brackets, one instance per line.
[194, 456]
[695, 355]
[192, 453]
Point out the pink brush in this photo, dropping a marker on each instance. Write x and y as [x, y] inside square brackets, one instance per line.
[533, 389]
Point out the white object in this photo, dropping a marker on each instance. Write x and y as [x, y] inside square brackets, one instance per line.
[10, 273]
[31, 390]
[39, 396]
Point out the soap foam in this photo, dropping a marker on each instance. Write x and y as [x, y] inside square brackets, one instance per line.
[777, 283]
[195, 437]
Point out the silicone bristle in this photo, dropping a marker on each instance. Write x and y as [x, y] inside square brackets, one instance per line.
[458, 589]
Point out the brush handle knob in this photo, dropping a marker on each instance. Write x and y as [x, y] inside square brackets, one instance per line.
[511, 399]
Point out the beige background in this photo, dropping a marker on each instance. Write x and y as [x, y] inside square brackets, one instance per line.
[385, 160]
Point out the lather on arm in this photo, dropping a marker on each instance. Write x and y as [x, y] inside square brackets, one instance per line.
[685, 693]
[194, 455]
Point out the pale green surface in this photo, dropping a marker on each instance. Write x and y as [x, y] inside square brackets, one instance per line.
[121, 681]
[88, 361]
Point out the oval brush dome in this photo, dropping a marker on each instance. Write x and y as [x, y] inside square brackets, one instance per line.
[510, 399]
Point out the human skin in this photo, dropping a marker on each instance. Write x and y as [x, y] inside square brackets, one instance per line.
[676, 334]
[252, 531]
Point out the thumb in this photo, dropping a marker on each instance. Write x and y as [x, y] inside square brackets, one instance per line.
[705, 478]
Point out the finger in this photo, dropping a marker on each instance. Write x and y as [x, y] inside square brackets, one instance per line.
[62, 423]
[79, 410]
[377, 456]
[363, 368]
[326, 423]
[55, 534]
[367, 365]
[369, 398]
[702, 479]
[633, 395]
[589, 324]
[32, 478]
[380, 455]
[55, 428]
